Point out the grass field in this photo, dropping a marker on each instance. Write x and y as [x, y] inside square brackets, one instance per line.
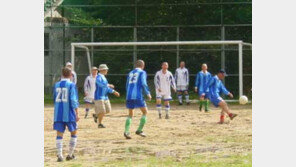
[189, 138]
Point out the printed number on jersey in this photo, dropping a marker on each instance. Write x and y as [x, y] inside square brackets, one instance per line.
[133, 78]
[62, 94]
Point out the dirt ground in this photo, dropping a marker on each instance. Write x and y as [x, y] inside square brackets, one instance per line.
[187, 132]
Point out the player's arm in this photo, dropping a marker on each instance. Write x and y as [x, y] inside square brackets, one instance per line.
[173, 83]
[85, 86]
[176, 75]
[54, 94]
[74, 77]
[187, 78]
[225, 91]
[196, 82]
[157, 81]
[74, 100]
[145, 85]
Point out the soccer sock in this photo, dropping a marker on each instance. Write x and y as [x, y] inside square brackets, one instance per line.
[167, 109]
[72, 144]
[158, 107]
[142, 123]
[206, 104]
[127, 124]
[222, 118]
[187, 98]
[180, 98]
[200, 103]
[59, 145]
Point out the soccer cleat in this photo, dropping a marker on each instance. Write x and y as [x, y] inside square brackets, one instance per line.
[95, 118]
[140, 133]
[200, 108]
[68, 158]
[188, 103]
[127, 136]
[232, 116]
[167, 116]
[206, 110]
[101, 126]
[180, 104]
[159, 116]
[60, 159]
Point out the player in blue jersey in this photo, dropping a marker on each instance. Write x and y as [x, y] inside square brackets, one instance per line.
[136, 83]
[65, 113]
[103, 88]
[215, 87]
[201, 81]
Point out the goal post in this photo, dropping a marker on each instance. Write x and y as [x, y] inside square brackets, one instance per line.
[239, 43]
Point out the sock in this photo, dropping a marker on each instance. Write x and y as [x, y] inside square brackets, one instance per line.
[180, 98]
[187, 98]
[86, 110]
[142, 123]
[167, 109]
[127, 124]
[222, 118]
[206, 104]
[59, 145]
[72, 144]
[158, 107]
[200, 103]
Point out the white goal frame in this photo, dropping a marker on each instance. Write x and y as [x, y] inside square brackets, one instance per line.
[239, 43]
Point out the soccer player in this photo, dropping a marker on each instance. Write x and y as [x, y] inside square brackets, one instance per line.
[182, 82]
[103, 88]
[201, 81]
[89, 89]
[136, 83]
[65, 113]
[74, 76]
[215, 87]
[163, 82]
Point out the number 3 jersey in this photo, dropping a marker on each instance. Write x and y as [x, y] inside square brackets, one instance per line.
[136, 83]
[65, 101]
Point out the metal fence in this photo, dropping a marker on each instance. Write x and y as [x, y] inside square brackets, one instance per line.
[131, 24]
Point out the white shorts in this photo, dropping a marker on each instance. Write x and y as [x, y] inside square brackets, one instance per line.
[181, 88]
[165, 97]
[102, 106]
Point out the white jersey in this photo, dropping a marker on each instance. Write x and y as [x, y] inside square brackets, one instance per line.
[89, 88]
[182, 77]
[74, 77]
[164, 82]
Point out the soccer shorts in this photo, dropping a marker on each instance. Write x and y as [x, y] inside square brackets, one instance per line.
[216, 100]
[132, 104]
[61, 126]
[88, 100]
[206, 95]
[102, 106]
[181, 88]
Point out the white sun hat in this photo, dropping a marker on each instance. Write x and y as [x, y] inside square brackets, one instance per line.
[103, 67]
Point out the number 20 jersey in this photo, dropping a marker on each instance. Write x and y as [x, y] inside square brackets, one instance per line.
[65, 101]
[136, 83]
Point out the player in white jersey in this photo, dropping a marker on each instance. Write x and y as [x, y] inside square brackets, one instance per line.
[74, 75]
[182, 82]
[89, 89]
[163, 82]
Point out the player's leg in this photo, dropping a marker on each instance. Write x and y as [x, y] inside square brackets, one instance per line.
[72, 143]
[186, 97]
[201, 102]
[226, 110]
[59, 146]
[206, 102]
[87, 106]
[180, 96]
[142, 122]
[128, 123]
[158, 106]
[167, 108]
[97, 110]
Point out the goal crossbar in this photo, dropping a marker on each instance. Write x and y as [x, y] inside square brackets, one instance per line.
[239, 43]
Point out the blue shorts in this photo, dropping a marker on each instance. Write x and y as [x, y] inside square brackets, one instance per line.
[216, 100]
[206, 95]
[61, 126]
[131, 104]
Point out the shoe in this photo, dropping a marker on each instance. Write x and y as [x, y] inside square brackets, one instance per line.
[167, 116]
[233, 116]
[101, 126]
[180, 104]
[140, 133]
[188, 103]
[206, 110]
[95, 118]
[86, 114]
[221, 122]
[60, 159]
[159, 116]
[68, 158]
[127, 136]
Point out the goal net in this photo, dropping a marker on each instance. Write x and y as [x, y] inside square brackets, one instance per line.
[176, 48]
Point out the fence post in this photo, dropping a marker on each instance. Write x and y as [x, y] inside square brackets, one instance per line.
[135, 47]
[240, 59]
[178, 47]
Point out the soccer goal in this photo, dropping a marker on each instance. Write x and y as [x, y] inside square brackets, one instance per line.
[238, 43]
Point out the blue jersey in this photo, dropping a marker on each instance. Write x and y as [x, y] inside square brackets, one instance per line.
[201, 81]
[65, 101]
[102, 88]
[135, 84]
[216, 87]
